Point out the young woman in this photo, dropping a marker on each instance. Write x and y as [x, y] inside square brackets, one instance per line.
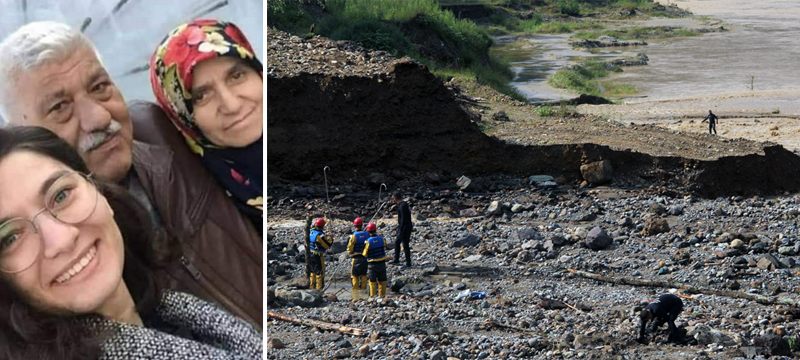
[208, 81]
[76, 261]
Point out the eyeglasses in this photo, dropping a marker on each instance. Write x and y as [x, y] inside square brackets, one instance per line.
[70, 199]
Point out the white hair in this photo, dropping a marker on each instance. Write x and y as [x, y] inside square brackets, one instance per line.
[33, 45]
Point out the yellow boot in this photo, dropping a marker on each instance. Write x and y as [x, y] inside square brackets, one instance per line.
[320, 281]
[373, 288]
[354, 291]
[312, 280]
[382, 288]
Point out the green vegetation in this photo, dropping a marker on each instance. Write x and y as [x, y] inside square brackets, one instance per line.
[417, 28]
[585, 79]
[453, 47]
[637, 33]
[561, 110]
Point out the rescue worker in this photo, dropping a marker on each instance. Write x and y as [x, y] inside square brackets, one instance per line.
[665, 309]
[355, 247]
[375, 252]
[712, 122]
[318, 243]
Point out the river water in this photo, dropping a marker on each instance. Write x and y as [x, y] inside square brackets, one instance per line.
[763, 45]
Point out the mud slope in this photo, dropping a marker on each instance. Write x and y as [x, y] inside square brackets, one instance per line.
[331, 103]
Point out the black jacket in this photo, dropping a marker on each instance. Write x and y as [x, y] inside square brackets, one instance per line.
[404, 225]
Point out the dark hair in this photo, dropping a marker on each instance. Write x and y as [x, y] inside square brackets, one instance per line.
[29, 333]
[397, 195]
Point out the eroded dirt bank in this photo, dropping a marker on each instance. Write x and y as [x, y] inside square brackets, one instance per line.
[360, 113]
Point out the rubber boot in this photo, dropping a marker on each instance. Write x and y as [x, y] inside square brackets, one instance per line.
[354, 291]
[373, 288]
[382, 288]
[320, 281]
[362, 282]
[312, 278]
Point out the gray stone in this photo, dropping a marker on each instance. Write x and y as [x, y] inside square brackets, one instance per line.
[524, 256]
[438, 355]
[528, 233]
[467, 240]
[517, 208]
[597, 239]
[430, 270]
[342, 354]
[500, 116]
[736, 244]
[706, 335]
[767, 261]
[302, 298]
[786, 250]
[558, 240]
[538, 179]
[494, 208]
[473, 258]
[657, 209]
[775, 345]
[675, 210]
[598, 172]
[468, 213]
[343, 344]
[275, 343]
[653, 226]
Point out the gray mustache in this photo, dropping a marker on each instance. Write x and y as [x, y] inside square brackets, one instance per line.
[98, 137]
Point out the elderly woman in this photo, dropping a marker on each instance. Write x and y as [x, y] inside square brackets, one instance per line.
[76, 264]
[206, 77]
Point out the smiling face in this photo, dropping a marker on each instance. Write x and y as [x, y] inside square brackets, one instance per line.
[78, 269]
[77, 100]
[227, 98]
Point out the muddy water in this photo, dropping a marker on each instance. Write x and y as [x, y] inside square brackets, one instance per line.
[534, 58]
[763, 45]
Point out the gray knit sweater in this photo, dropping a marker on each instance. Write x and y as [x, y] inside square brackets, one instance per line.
[216, 333]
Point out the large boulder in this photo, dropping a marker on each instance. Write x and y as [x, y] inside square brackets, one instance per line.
[302, 298]
[774, 345]
[655, 225]
[597, 239]
[706, 335]
[467, 240]
[598, 172]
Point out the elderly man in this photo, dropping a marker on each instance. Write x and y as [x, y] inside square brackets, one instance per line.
[52, 76]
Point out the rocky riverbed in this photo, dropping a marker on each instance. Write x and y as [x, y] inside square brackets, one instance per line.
[515, 240]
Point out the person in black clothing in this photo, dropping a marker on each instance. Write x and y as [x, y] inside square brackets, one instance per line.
[404, 227]
[712, 122]
[665, 309]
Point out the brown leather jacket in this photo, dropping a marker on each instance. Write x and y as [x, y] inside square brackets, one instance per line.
[221, 251]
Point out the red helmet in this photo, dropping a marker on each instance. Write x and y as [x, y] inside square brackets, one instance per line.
[358, 222]
[371, 227]
[318, 222]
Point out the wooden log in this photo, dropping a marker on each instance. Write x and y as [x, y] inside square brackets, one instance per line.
[316, 323]
[621, 280]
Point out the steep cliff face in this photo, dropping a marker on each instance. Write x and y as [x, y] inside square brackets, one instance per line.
[332, 104]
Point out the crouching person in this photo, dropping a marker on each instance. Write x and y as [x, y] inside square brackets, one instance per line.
[664, 310]
[318, 243]
[375, 252]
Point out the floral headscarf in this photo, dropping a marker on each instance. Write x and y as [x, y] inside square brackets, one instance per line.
[240, 170]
